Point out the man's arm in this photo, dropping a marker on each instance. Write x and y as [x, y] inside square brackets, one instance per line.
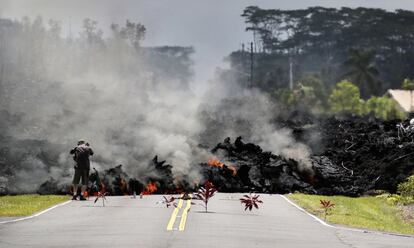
[90, 151]
[72, 151]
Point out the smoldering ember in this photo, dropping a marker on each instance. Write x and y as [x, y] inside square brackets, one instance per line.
[357, 156]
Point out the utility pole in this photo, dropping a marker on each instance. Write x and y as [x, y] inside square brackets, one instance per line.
[243, 61]
[251, 64]
[69, 33]
[290, 73]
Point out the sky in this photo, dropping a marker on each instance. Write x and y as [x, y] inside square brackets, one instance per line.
[213, 27]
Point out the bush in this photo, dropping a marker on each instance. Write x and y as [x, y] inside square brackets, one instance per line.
[384, 108]
[408, 84]
[405, 192]
[285, 97]
[314, 91]
[394, 199]
[345, 99]
[406, 189]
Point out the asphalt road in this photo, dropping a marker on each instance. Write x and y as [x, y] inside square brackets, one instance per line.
[127, 222]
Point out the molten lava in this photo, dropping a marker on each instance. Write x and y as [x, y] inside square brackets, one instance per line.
[124, 186]
[150, 189]
[216, 163]
[233, 169]
[102, 190]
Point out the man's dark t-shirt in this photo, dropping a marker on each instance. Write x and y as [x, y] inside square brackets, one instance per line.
[81, 155]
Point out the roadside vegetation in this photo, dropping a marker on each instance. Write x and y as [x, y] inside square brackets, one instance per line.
[25, 205]
[370, 212]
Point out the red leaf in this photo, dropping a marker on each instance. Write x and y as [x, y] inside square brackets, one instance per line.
[206, 192]
[250, 201]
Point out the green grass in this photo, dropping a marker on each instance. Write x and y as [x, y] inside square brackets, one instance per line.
[24, 205]
[362, 212]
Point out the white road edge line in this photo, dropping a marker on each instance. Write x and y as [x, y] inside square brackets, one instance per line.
[339, 227]
[37, 214]
[306, 212]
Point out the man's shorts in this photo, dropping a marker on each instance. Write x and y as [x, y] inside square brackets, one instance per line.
[81, 174]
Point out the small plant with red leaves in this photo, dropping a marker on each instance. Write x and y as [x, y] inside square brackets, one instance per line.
[250, 201]
[327, 206]
[101, 195]
[168, 201]
[205, 193]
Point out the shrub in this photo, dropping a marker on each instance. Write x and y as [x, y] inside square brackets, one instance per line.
[384, 108]
[405, 194]
[205, 193]
[250, 201]
[327, 206]
[408, 84]
[406, 189]
[345, 99]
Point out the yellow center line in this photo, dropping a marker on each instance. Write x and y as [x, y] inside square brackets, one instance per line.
[174, 215]
[184, 216]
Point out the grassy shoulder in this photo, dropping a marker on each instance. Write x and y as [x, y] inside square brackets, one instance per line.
[24, 205]
[363, 212]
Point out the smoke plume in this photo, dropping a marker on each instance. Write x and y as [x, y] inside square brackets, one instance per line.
[129, 102]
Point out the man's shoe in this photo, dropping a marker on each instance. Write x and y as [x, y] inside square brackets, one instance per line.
[74, 198]
[81, 198]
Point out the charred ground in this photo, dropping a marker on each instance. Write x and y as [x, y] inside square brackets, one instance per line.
[350, 157]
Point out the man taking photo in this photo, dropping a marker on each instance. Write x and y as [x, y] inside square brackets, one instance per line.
[81, 155]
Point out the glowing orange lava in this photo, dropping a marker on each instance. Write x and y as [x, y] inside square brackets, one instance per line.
[150, 189]
[124, 186]
[233, 169]
[216, 163]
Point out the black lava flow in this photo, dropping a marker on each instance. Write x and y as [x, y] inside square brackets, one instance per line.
[350, 157]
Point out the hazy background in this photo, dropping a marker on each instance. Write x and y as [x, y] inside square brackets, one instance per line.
[213, 27]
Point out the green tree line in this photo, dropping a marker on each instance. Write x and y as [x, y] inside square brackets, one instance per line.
[344, 99]
[371, 47]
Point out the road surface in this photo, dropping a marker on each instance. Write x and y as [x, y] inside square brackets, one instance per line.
[127, 222]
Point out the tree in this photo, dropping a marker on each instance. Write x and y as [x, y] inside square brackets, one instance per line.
[170, 62]
[345, 99]
[91, 33]
[314, 86]
[285, 97]
[320, 39]
[406, 189]
[362, 71]
[408, 84]
[384, 108]
[133, 33]
[309, 95]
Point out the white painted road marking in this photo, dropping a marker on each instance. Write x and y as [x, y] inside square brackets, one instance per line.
[35, 215]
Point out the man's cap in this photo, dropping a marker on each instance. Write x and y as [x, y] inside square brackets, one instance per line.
[81, 141]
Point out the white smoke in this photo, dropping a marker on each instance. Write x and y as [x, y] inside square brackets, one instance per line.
[104, 92]
[108, 93]
[250, 113]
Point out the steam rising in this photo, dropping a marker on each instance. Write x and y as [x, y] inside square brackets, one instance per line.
[131, 103]
[251, 114]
